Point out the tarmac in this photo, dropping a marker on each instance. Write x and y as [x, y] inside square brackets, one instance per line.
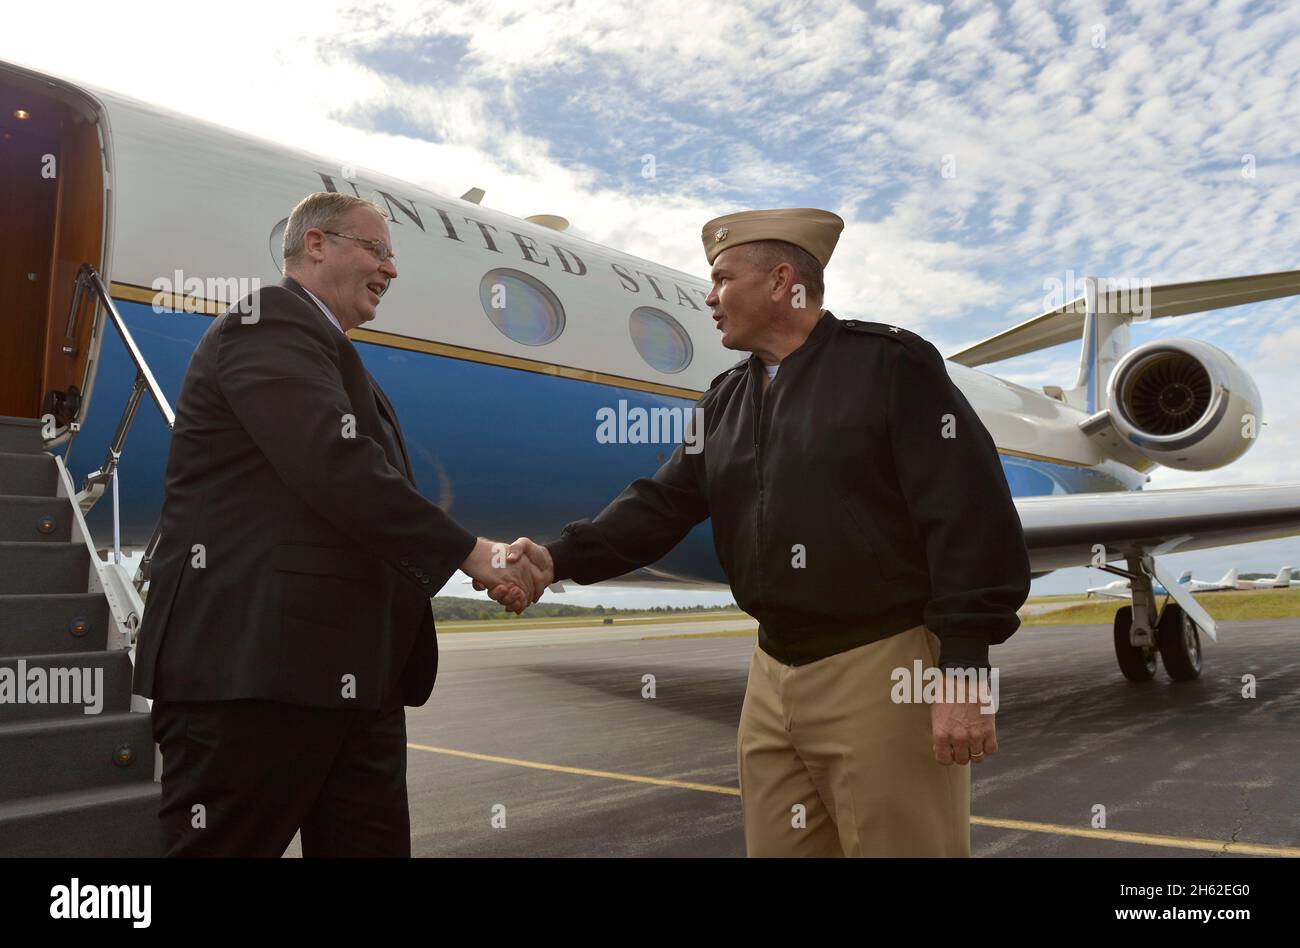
[541, 743]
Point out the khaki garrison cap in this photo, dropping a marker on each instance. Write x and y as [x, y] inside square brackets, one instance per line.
[815, 231]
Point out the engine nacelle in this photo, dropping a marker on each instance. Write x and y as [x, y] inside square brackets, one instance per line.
[1184, 404]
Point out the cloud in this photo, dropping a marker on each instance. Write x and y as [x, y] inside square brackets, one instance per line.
[1152, 141]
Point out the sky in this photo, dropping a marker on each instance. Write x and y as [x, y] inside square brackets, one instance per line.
[980, 153]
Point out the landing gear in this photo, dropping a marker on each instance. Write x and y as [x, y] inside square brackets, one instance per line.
[1179, 642]
[1144, 630]
[1137, 663]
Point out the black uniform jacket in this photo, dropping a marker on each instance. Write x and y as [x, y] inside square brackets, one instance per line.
[297, 556]
[856, 497]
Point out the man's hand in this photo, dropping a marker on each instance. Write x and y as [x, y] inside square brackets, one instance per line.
[512, 585]
[534, 559]
[962, 732]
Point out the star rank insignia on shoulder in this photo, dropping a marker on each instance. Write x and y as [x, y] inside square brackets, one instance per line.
[880, 329]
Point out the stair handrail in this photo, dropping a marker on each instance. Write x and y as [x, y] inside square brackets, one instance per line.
[88, 279]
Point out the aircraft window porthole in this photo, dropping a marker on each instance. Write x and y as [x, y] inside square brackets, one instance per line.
[660, 339]
[277, 244]
[521, 306]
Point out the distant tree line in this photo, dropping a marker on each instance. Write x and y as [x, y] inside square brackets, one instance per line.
[459, 608]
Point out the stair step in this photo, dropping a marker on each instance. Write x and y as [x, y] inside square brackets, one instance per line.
[100, 822]
[35, 519]
[74, 753]
[43, 568]
[109, 685]
[32, 475]
[44, 624]
[71, 784]
[21, 435]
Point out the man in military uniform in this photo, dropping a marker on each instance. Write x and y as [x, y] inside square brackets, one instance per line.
[860, 512]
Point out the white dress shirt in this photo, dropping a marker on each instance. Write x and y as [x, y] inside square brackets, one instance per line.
[324, 309]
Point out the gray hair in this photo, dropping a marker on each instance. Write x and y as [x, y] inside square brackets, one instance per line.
[322, 210]
[766, 254]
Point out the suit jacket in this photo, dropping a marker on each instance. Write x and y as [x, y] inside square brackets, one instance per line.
[297, 556]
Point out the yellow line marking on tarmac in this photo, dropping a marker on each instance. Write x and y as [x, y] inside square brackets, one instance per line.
[1116, 836]
[722, 634]
[580, 771]
[1145, 839]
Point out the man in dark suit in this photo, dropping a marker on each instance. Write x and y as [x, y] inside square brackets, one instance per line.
[288, 618]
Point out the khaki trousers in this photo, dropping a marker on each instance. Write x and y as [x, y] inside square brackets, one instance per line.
[827, 737]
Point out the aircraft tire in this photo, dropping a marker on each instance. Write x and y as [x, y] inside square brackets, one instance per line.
[1180, 643]
[1136, 663]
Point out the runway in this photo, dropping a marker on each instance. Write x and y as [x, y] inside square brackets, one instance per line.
[548, 733]
[563, 635]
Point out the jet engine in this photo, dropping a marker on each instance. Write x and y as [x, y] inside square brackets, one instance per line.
[1184, 404]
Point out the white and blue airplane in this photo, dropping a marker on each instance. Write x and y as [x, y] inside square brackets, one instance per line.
[177, 218]
[1119, 589]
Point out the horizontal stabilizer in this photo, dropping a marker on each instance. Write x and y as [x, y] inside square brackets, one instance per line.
[1065, 323]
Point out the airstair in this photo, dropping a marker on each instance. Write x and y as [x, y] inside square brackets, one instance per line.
[78, 764]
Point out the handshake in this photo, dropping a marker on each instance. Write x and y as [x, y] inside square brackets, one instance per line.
[514, 575]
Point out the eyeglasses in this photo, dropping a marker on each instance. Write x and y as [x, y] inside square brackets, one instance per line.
[377, 247]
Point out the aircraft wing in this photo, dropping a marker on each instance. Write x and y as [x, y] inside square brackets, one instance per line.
[1062, 531]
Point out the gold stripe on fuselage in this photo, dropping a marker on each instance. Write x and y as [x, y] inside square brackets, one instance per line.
[193, 304]
[176, 302]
